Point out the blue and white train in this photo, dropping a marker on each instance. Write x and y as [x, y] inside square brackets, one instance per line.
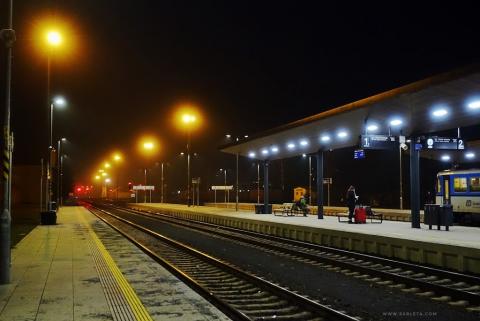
[461, 189]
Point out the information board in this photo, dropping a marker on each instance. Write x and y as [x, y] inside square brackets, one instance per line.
[378, 142]
[359, 154]
[436, 142]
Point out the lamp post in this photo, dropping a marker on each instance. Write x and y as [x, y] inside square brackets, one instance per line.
[8, 37]
[59, 170]
[56, 102]
[148, 147]
[188, 120]
[117, 158]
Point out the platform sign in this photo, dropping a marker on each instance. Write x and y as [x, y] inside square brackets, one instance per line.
[378, 142]
[143, 188]
[436, 142]
[359, 154]
[222, 188]
[327, 180]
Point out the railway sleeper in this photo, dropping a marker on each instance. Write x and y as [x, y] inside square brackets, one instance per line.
[288, 310]
[256, 306]
[302, 315]
[234, 299]
[249, 291]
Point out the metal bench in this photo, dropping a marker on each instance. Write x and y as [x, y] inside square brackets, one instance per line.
[285, 209]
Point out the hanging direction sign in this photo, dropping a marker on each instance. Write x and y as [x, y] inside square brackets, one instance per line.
[436, 142]
[378, 142]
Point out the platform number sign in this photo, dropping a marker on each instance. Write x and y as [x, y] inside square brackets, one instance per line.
[378, 142]
[436, 142]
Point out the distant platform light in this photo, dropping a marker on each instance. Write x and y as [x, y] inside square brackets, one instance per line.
[445, 158]
[228, 136]
[396, 122]
[372, 127]
[245, 136]
[274, 149]
[470, 155]
[325, 138]
[265, 152]
[441, 112]
[303, 142]
[304, 155]
[251, 154]
[474, 104]
[290, 145]
[342, 134]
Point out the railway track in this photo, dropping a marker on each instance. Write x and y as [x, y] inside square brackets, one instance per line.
[454, 288]
[242, 296]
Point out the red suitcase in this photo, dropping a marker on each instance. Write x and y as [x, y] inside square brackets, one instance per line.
[360, 215]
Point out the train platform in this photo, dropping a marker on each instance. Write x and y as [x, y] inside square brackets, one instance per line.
[457, 249]
[81, 269]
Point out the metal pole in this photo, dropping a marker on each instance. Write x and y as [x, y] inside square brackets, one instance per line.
[328, 194]
[145, 186]
[8, 36]
[415, 183]
[225, 188]
[400, 176]
[161, 188]
[188, 168]
[265, 187]
[236, 192]
[320, 184]
[61, 179]
[215, 197]
[198, 192]
[309, 180]
[59, 143]
[258, 183]
[41, 184]
[193, 193]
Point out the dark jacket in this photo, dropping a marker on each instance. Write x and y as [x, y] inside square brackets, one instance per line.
[351, 199]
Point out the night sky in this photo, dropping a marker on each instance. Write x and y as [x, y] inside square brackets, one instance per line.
[248, 65]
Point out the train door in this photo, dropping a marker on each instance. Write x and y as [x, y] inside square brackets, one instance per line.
[446, 189]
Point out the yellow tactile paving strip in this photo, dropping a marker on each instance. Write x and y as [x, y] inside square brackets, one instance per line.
[121, 297]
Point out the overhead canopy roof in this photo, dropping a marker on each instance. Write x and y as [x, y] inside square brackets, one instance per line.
[457, 93]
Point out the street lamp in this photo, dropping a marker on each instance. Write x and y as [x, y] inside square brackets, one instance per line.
[189, 120]
[117, 158]
[60, 171]
[148, 146]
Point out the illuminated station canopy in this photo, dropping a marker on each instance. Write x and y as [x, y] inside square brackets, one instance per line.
[442, 102]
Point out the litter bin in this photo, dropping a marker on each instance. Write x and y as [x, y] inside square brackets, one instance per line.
[260, 209]
[430, 216]
[48, 218]
[445, 216]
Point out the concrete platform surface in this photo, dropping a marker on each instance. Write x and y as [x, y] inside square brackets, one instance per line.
[458, 235]
[457, 249]
[81, 269]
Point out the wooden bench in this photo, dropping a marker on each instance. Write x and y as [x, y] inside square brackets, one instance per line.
[290, 209]
[285, 209]
[373, 216]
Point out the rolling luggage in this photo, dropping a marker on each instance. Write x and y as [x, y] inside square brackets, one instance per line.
[360, 215]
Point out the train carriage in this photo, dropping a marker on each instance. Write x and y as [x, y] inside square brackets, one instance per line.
[461, 189]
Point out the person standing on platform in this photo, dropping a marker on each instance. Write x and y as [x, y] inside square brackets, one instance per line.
[351, 200]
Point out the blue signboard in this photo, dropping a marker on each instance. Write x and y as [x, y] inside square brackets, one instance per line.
[359, 154]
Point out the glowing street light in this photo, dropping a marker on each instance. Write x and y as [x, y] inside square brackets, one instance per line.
[189, 120]
[107, 165]
[54, 38]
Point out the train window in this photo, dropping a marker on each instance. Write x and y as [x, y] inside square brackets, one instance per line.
[439, 185]
[460, 184]
[474, 184]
